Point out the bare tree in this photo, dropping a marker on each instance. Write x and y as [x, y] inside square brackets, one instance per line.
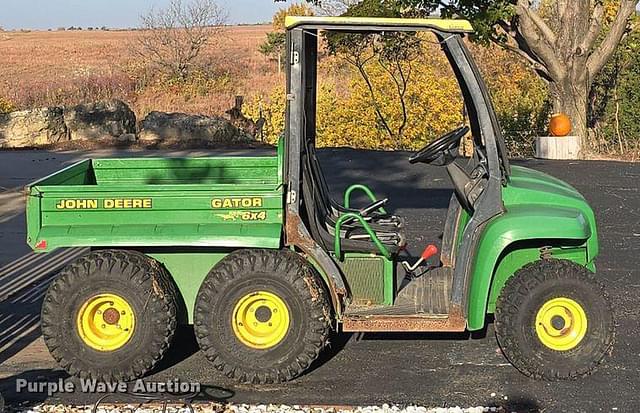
[173, 38]
[395, 54]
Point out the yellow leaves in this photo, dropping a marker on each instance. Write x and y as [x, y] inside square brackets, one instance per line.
[432, 102]
[513, 85]
[272, 109]
[296, 9]
[610, 10]
[347, 117]
[346, 114]
[6, 105]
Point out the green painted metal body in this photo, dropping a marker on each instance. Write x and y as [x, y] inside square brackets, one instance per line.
[214, 202]
[188, 269]
[540, 211]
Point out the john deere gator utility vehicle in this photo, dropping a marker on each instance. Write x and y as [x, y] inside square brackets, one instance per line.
[257, 255]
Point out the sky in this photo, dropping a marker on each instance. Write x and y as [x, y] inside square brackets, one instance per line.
[46, 14]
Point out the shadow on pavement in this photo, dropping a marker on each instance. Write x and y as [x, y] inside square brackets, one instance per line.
[387, 175]
[16, 392]
[23, 284]
[184, 345]
[337, 342]
[11, 204]
[522, 405]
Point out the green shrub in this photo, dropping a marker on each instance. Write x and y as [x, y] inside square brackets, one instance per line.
[615, 99]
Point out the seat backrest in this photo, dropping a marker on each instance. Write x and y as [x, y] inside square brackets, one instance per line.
[314, 208]
[319, 178]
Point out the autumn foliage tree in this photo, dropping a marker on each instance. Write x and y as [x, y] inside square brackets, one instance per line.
[567, 42]
[401, 94]
[273, 46]
[388, 57]
[377, 109]
[615, 98]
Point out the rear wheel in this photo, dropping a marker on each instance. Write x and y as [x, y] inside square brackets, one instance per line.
[110, 315]
[262, 316]
[554, 321]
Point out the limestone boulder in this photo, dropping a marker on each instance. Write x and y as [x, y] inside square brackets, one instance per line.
[160, 126]
[105, 119]
[35, 127]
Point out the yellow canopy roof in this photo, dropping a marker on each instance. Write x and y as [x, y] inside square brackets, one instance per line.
[368, 23]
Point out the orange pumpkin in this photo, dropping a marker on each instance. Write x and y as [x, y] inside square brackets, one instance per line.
[560, 124]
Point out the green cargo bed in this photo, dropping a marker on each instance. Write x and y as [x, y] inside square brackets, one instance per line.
[154, 202]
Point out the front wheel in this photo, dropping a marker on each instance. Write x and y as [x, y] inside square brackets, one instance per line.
[554, 321]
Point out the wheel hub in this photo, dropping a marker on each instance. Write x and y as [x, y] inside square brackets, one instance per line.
[557, 322]
[561, 324]
[260, 320]
[105, 322]
[111, 316]
[263, 314]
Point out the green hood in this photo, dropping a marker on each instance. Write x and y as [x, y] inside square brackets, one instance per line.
[528, 188]
[536, 207]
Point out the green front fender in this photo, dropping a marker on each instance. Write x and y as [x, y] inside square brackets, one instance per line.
[550, 225]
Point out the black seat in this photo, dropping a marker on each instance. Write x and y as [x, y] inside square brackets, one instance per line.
[377, 219]
[350, 228]
[353, 236]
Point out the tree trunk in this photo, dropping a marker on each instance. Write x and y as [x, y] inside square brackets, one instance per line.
[570, 97]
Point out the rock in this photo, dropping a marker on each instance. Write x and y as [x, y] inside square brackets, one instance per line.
[106, 119]
[159, 126]
[32, 128]
[127, 137]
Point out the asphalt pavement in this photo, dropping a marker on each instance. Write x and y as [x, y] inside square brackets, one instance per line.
[433, 370]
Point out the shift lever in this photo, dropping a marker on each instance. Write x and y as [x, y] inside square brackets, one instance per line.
[428, 252]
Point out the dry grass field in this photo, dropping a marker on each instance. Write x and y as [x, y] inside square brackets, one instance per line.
[67, 67]
[53, 68]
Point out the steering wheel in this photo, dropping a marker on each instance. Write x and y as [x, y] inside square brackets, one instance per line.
[441, 152]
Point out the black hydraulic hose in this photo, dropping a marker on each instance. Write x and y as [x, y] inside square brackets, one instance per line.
[185, 398]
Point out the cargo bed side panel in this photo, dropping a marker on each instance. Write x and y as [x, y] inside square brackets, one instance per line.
[219, 202]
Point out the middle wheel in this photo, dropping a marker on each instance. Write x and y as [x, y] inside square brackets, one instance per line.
[262, 316]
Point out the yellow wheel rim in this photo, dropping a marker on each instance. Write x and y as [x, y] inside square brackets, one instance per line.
[260, 320]
[561, 324]
[106, 322]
